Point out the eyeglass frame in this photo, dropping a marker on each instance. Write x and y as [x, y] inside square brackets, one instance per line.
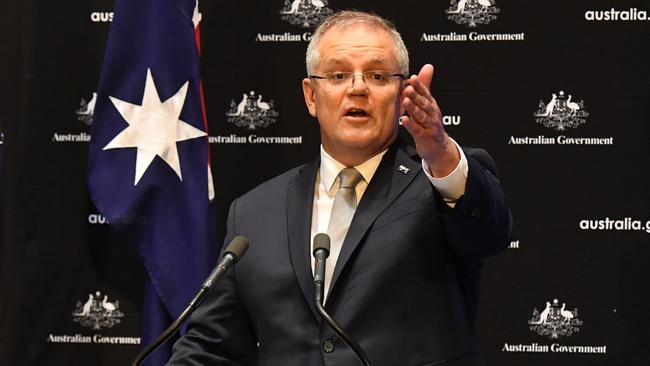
[363, 76]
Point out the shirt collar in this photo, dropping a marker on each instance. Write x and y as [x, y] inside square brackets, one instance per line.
[330, 168]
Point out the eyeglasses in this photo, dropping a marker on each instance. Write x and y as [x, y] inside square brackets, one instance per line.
[374, 78]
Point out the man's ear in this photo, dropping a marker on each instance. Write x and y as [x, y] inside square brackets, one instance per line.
[310, 97]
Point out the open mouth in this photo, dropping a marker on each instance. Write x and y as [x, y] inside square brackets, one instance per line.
[356, 112]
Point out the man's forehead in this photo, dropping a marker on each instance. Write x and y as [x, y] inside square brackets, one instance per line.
[369, 43]
[360, 27]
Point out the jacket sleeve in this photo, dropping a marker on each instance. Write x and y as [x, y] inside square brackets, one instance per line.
[219, 332]
[480, 223]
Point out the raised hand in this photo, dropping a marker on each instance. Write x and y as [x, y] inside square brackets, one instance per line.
[424, 123]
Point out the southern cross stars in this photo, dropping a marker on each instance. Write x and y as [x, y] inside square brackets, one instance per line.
[154, 128]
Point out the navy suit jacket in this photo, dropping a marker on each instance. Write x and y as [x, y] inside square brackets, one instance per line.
[405, 285]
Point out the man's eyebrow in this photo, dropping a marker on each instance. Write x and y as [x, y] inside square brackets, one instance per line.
[337, 61]
[379, 60]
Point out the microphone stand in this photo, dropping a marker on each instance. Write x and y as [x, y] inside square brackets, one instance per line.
[173, 328]
[343, 334]
[321, 252]
[232, 254]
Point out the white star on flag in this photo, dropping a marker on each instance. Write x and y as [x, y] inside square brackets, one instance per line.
[154, 128]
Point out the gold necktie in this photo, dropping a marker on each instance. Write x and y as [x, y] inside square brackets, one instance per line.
[345, 203]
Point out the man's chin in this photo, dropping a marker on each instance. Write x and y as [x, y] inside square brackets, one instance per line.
[366, 148]
[359, 142]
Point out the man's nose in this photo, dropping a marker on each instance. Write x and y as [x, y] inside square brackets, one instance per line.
[359, 86]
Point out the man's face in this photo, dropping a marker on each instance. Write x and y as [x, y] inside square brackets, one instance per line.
[357, 119]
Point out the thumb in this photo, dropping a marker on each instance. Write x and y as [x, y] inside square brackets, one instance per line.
[426, 75]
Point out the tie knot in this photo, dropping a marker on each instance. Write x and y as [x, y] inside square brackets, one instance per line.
[350, 177]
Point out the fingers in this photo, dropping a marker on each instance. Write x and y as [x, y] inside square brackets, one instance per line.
[424, 109]
[415, 94]
[413, 128]
[418, 101]
[424, 121]
[414, 85]
[427, 103]
[420, 114]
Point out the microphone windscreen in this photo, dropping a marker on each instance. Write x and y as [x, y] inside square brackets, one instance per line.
[322, 241]
[237, 246]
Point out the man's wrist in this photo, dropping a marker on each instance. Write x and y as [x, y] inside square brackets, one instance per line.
[451, 186]
[445, 162]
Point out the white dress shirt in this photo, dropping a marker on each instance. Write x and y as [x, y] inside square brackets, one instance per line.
[450, 188]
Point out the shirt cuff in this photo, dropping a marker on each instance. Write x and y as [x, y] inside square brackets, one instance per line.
[452, 186]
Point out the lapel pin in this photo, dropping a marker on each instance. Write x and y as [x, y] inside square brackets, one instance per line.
[403, 169]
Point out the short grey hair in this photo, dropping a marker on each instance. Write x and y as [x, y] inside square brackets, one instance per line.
[346, 18]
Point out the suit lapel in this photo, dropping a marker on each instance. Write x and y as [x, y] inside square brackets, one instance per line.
[300, 197]
[393, 175]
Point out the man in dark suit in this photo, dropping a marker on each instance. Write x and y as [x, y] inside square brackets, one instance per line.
[403, 277]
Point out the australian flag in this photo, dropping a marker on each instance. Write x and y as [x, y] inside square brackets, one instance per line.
[148, 161]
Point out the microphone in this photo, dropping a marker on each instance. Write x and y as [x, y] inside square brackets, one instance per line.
[232, 254]
[321, 252]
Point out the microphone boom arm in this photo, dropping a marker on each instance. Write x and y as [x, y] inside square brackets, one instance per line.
[173, 328]
[343, 334]
[321, 252]
[233, 253]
